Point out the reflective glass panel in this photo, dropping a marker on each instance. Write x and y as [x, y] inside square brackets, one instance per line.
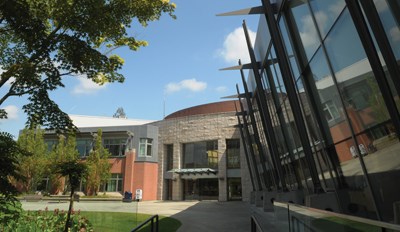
[389, 13]
[326, 12]
[305, 26]
[376, 143]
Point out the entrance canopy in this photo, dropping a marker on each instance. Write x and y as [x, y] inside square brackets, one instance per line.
[196, 173]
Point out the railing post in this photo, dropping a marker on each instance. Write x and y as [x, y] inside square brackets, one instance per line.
[151, 220]
[252, 224]
[157, 223]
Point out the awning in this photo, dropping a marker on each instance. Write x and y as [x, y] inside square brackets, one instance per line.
[194, 171]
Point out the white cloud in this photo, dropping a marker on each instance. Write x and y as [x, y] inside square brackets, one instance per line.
[87, 86]
[235, 46]
[337, 7]
[322, 20]
[188, 84]
[221, 89]
[308, 33]
[12, 112]
[395, 33]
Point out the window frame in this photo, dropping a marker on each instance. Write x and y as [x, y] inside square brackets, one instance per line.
[121, 146]
[235, 155]
[147, 143]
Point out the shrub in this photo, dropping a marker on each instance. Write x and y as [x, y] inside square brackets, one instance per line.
[47, 221]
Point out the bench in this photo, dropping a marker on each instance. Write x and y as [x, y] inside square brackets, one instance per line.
[60, 198]
[34, 197]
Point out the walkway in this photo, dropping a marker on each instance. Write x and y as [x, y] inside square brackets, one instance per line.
[196, 216]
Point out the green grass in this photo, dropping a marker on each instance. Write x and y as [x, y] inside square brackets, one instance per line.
[334, 224]
[114, 221]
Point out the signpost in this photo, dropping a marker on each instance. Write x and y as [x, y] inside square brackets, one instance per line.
[138, 194]
[138, 197]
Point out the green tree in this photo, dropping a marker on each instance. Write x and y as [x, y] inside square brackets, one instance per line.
[9, 171]
[43, 41]
[32, 167]
[98, 165]
[74, 170]
[376, 102]
[64, 151]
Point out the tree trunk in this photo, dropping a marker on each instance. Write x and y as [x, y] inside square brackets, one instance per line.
[71, 203]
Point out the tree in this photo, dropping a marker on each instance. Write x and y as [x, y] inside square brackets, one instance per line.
[120, 113]
[43, 41]
[98, 166]
[32, 167]
[64, 151]
[74, 170]
[9, 170]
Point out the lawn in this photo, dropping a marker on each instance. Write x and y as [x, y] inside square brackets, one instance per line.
[114, 221]
[334, 224]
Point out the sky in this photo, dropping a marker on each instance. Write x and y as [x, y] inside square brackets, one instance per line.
[177, 70]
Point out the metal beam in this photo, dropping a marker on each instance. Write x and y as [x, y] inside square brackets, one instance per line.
[241, 66]
[247, 11]
[240, 95]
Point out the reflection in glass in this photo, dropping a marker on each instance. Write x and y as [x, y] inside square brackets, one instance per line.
[305, 26]
[289, 144]
[326, 12]
[288, 46]
[377, 144]
[389, 16]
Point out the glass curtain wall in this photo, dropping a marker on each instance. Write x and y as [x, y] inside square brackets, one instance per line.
[354, 142]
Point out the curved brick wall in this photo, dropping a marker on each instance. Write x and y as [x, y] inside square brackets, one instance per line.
[216, 107]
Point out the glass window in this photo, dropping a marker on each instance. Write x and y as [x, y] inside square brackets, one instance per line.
[51, 144]
[212, 154]
[344, 47]
[288, 46]
[114, 183]
[326, 12]
[234, 189]
[389, 13]
[305, 26]
[200, 154]
[233, 153]
[145, 146]
[330, 111]
[84, 146]
[169, 156]
[370, 121]
[116, 147]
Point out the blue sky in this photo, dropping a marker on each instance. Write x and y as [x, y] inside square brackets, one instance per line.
[179, 68]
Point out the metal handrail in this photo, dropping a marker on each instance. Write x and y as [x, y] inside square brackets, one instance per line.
[255, 226]
[151, 219]
[303, 210]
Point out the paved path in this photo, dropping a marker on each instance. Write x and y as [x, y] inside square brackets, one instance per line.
[196, 216]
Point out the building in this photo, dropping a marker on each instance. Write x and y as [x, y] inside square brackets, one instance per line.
[193, 154]
[133, 148]
[320, 113]
[201, 155]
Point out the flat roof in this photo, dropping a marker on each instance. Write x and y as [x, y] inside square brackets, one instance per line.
[85, 121]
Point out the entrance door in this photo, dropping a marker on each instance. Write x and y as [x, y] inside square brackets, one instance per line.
[201, 189]
[234, 189]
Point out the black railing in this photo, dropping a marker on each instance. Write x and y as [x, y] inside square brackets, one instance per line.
[255, 226]
[153, 224]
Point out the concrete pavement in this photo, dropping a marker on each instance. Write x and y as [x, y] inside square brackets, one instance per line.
[196, 216]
